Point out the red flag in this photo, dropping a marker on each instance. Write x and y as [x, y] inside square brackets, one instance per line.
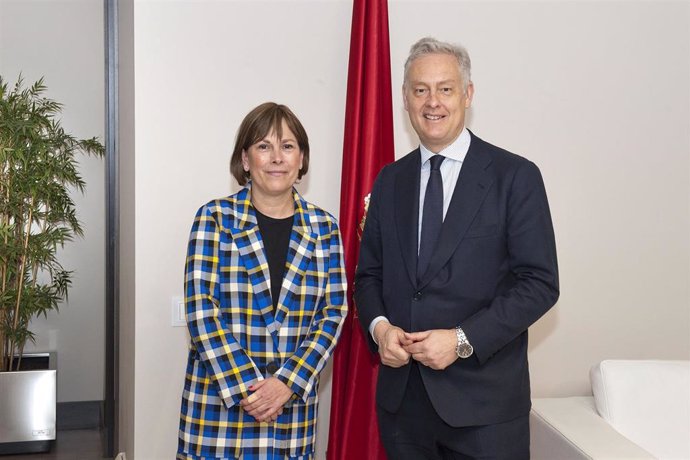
[367, 147]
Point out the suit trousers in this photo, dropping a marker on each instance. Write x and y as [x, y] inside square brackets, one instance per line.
[416, 432]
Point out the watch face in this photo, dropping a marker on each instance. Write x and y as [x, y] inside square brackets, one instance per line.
[464, 350]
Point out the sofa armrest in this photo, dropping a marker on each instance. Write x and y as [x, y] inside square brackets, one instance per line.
[571, 429]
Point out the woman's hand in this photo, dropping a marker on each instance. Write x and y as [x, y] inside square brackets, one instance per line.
[267, 400]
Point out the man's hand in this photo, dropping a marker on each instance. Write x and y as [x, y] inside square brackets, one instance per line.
[266, 402]
[391, 340]
[435, 348]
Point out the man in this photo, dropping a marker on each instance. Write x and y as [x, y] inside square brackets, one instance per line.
[457, 260]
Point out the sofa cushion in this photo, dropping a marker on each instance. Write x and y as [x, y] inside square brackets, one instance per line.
[646, 401]
[571, 429]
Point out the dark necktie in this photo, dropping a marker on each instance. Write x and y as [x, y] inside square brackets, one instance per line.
[432, 217]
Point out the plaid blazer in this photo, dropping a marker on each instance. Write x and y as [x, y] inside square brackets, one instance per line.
[236, 339]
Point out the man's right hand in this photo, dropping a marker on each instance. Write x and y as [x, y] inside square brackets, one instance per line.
[391, 340]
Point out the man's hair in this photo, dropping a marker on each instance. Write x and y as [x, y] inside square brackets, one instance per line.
[429, 45]
[260, 122]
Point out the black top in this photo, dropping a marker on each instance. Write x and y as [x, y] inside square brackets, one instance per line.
[276, 236]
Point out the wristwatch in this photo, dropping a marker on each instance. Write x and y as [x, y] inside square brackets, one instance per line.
[463, 349]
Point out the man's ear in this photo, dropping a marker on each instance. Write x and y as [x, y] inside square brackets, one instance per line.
[469, 94]
[404, 98]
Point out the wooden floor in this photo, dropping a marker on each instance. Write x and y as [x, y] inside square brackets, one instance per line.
[69, 445]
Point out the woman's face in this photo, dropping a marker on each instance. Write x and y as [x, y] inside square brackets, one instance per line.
[273, 163]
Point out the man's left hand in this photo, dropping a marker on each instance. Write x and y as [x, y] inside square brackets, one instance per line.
[266, 402]
[434, 348]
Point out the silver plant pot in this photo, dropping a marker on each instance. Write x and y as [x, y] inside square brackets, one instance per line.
[28, 405]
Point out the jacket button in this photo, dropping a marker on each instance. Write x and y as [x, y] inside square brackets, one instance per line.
[417, 295]
[271, 368]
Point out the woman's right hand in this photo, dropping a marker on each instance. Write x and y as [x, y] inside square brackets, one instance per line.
[267, 400]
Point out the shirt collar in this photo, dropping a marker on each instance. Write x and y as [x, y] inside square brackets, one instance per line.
[455, 151]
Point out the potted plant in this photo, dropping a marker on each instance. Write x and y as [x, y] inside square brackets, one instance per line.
[38, 173]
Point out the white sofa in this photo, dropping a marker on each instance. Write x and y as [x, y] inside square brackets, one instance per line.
[639, 410]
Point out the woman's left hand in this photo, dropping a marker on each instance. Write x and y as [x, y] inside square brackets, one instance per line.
[266, 402]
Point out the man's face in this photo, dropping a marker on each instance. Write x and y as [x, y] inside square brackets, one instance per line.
[435, 99]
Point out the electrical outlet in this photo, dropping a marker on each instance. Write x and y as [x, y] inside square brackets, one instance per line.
[178, 312]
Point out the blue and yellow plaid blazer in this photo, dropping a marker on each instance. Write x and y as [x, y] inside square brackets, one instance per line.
[236, 339]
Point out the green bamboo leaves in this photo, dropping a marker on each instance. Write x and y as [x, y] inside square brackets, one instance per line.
[38, 173]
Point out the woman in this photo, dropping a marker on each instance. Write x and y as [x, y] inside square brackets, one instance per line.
[265, 298]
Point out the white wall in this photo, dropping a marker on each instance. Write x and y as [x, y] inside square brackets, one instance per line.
[596, 93]
[192, 89]
[63, 41]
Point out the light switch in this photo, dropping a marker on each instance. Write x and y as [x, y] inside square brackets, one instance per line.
[178, 312]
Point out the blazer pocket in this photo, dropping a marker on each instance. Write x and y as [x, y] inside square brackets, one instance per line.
[482, 231]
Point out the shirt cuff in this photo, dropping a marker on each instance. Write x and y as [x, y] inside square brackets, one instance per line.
[373, 324]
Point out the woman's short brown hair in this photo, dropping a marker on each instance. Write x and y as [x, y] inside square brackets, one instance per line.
[258, 123]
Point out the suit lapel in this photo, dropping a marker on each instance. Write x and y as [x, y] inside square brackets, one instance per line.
[473, 184]
[407, 212]
[300, 250]
[247, 238]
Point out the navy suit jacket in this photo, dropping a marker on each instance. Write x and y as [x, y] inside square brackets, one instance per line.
[494, 273]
